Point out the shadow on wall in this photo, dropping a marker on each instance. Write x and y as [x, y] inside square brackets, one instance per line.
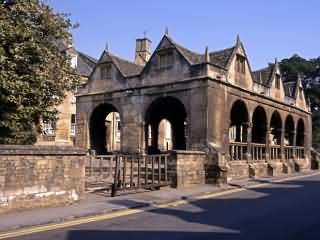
[263, 214]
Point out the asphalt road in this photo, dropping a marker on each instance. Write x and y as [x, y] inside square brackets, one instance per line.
[287, 210]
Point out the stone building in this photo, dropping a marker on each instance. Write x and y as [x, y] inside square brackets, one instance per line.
[63, 130]
[246, 122]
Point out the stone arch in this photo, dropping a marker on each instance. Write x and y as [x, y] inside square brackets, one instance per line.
[171, 109]
[239, 118]
[259, 125]
[275, 128]
[289, 131]
[300, 133]
[103, 129]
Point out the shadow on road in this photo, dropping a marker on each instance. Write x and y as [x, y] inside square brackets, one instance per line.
[281, 211]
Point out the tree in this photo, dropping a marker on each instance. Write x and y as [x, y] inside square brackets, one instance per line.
[35, 71]
[290, 68]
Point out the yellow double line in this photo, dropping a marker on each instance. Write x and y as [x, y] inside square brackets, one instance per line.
[107, 216]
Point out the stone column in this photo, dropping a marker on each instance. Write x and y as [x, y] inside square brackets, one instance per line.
[294, 133]
[268, 133]
[282, 147]
[249, 140]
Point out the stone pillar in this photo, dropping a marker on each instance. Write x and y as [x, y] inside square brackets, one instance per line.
[132, 134]
[268, 133]
[282, 144]
[294, 133]
[249, 140]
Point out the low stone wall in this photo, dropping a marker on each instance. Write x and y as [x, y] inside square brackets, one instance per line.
[245, 169]
[238, 169]
[186, 168]
[37, 176]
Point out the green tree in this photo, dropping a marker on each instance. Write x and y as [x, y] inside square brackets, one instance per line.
[34, 69]
[290, 69]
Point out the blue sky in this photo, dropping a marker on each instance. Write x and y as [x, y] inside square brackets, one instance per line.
[268, 28]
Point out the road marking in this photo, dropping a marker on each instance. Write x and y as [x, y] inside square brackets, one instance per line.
[108, 216]
[44, 228]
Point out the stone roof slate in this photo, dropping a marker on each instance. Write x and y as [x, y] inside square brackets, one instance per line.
[126, 67]
[85, 64]
[264, 76]
[219, 58]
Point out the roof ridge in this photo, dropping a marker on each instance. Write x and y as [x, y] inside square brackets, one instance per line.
[222, 50]
[92, 59]
[122, 59]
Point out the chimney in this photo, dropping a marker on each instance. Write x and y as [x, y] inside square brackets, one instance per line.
[142, 51]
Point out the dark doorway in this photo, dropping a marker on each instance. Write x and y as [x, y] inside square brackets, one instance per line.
[275, 128]
[259, 125]
[172, 110]
[105, 129]
[289, 131]
[239, 122]
[300, 133]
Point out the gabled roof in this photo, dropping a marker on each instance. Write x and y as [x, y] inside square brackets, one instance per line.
[126, 67]
[85, 64]
[91, 59]
[264, 76]
[219, 58]
[222, 57]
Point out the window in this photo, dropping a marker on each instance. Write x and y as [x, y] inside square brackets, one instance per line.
[165, 59]
[105, 70]
[49, 128]
[240, 64]
[73, 125]
[277, 83]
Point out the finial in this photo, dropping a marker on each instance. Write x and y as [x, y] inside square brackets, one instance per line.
[145, 33]
[206, 55]
[238, 39]
[166, 31]
[106, 47]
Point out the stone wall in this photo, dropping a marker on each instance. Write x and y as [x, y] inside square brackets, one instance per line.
[186, 168]
[38, 176]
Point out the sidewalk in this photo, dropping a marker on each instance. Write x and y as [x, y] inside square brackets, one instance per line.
[98, 203]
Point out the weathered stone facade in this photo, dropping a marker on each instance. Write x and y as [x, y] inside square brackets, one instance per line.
[246, 122]
[37, 176]
[62, 131]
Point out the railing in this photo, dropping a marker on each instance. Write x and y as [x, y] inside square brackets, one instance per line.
[300, 153]
[289, 152]
[134, 172]
[258, 151]
[121, 172]
[275, 152]
[99, 170]
[238, 151]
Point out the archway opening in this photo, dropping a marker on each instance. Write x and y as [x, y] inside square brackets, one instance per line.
[259, 125]
[300, 133]
[289, 131]
[165, 135]
[275, 129]
[238, 122]
[165, 126]
[105, 129]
